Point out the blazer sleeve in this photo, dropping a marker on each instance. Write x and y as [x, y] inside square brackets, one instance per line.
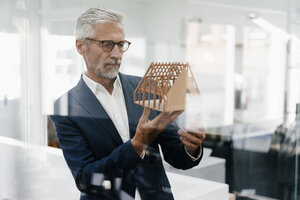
[80, 159]
[173, 149]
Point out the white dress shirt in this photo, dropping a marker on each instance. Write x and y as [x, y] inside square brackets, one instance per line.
[113, 104]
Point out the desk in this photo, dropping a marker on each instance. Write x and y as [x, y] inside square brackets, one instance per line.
[210, 168]
[38, 172]
[190, 188]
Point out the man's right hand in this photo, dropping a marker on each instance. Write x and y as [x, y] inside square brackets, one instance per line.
[148, 130]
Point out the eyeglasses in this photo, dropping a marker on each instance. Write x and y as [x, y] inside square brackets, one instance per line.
[108, 45]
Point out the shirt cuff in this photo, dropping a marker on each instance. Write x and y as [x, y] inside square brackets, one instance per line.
[192, 157]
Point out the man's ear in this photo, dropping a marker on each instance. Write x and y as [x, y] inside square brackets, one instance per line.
[81, 47]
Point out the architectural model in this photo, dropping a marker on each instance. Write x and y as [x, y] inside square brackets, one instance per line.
[165, 85]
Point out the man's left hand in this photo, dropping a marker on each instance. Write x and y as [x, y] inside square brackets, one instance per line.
[192, 139]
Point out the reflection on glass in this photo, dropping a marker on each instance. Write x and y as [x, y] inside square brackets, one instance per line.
[210, 52]
[10, 87]
[294, 77]
[288, 165]
[255, 89]
[61, 64]
[263, 66]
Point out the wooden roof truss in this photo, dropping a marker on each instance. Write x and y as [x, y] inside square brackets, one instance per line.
[164, 86]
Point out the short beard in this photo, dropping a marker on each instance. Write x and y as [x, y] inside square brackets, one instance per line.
[101, 72]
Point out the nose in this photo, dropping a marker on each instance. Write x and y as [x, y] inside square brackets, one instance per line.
[115, 52]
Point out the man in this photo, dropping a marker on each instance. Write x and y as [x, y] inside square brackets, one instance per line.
[109, 143]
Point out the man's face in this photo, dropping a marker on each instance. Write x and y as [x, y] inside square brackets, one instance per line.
[100, 63]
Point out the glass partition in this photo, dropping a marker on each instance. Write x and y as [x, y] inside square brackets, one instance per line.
[244, 57]
[210, 52]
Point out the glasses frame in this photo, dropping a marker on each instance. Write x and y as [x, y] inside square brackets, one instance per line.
[101, 42]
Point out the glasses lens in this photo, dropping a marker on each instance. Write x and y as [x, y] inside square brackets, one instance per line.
[107, 45]
[123, 46]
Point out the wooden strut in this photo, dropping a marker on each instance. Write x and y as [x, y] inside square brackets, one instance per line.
[164, 86]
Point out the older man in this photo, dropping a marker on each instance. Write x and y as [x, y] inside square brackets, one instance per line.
[107, 140]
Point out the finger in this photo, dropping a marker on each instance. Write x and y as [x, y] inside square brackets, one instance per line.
[165, 118]
[161, 118]
[181, 131]
[175, 114]
[168, 117]
[145, 115]
[198, 134]
[190, 138]
[188, 144]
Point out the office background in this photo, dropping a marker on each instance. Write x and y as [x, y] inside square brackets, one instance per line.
[244, 56]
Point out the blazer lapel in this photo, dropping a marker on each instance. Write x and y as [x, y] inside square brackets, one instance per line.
[91, 105]
[134, 111]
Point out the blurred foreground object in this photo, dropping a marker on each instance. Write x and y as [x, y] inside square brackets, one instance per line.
[165, 85]
[289, 161]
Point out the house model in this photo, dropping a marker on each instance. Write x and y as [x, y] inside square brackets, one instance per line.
[165, 85]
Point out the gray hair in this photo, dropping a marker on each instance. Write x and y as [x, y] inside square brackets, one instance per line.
[84, 25]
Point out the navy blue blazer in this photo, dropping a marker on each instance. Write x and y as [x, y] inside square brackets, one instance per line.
[91, 146]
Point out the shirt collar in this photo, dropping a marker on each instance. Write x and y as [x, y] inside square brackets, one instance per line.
[94, 86]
